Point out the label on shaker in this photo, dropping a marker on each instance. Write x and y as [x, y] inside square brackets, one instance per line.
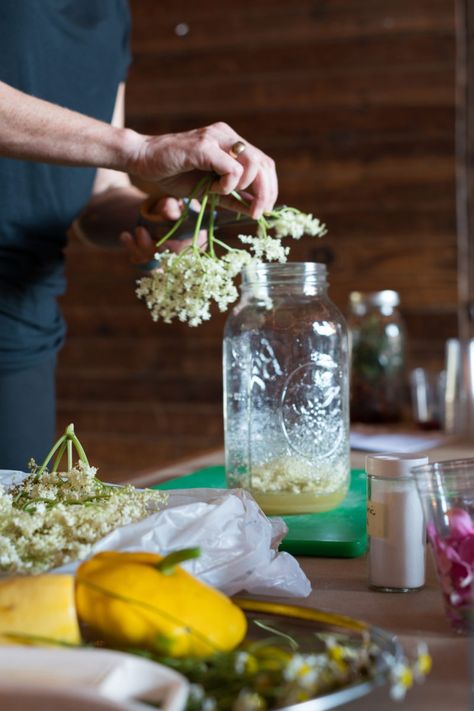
[376, 519]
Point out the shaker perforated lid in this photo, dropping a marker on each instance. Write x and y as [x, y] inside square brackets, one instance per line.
[393, 464]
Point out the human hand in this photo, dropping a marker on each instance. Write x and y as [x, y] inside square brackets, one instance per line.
[177, 161]
[141, 245]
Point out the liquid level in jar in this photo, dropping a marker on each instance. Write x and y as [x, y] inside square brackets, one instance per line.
[307, 502]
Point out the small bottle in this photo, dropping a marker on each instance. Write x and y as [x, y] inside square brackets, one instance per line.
[378, 376]
[395, 523]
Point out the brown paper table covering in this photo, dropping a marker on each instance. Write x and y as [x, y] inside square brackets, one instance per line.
[340, 586]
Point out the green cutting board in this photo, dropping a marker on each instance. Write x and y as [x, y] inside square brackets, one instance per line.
[340, 533]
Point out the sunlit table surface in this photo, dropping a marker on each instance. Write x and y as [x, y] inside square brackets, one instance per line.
[340, 586]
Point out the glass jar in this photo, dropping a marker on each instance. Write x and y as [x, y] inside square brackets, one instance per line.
[377, 334]
[286, 397]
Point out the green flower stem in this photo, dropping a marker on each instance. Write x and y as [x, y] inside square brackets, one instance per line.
[49, 455]
[226, 246]
[239, 197]
[66, 441]
[69, 455]
[202, 183]
[59, 456]
[175, 227]
[40, 640]
[168, 564]
[210, 232]
[200, 217]
[79, 448]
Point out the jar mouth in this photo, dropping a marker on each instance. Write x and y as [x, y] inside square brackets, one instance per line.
[275, 273]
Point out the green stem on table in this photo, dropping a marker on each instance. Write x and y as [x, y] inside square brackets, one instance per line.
[69, 455]
[59, 456]
[66, 441]
[49, 455]
[78, 445]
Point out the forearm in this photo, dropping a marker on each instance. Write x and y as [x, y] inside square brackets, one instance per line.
[34, 129]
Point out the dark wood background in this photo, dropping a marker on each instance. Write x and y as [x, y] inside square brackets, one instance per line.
[355, 101]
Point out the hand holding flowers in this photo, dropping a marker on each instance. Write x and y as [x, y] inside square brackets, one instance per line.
[186, 284]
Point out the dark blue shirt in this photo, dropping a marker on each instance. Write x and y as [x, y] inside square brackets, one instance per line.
[73, 53]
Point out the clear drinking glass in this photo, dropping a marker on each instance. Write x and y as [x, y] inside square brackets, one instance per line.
[286, 399]
[447, 496]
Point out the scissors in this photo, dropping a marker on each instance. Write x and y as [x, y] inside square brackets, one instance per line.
[158, 227]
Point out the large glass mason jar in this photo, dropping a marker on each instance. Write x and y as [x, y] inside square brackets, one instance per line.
[286, 399]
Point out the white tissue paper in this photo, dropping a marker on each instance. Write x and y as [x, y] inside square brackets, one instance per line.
[239, 544]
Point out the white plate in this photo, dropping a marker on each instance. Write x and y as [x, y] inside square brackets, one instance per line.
[96, 679]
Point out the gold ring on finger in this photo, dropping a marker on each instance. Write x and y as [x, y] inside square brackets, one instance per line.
[237, 148]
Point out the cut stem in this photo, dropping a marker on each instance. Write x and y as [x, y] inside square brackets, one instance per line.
[66, 441]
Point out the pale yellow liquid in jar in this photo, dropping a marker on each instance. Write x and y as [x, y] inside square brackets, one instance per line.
[286, 503]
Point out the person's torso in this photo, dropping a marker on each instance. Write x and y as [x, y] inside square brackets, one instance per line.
[73, 53]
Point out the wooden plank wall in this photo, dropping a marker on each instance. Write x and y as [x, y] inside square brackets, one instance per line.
[355, 101]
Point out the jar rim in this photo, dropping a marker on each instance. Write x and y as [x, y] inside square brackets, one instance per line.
[284, 271]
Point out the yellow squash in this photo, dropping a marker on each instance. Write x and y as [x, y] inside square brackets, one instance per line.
[35, 609]
[130, 602]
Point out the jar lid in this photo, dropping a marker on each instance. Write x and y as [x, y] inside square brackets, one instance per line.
[393, 464]
[387, 297]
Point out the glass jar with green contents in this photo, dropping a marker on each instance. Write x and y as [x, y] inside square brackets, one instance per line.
[286, 396]
[377, 336]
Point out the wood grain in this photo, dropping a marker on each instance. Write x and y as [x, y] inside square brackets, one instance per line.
[355, 101]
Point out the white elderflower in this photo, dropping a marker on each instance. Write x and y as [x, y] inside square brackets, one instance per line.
[266, 247]
[288, 222]
[186, 284]
[52, 518]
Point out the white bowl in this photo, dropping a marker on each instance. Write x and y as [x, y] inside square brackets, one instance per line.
[39, 679]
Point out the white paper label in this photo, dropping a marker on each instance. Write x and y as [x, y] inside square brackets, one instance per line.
[376, 519]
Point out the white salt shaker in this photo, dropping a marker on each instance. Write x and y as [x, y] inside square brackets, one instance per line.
[395, 523]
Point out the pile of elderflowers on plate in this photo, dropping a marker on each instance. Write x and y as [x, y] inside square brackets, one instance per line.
[273, 673]
[186, 284]
[51, 518]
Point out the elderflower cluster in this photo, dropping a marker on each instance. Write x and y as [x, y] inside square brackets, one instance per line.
[186, 284]
[266, 247]
[55, 518]
[288, 222]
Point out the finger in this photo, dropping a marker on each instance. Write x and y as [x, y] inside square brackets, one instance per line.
[250, 171]
[261, 196]
[169, 208]
[229, 179]
[127, 240]
[273, 183]
[140, 246]
[231, 203]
